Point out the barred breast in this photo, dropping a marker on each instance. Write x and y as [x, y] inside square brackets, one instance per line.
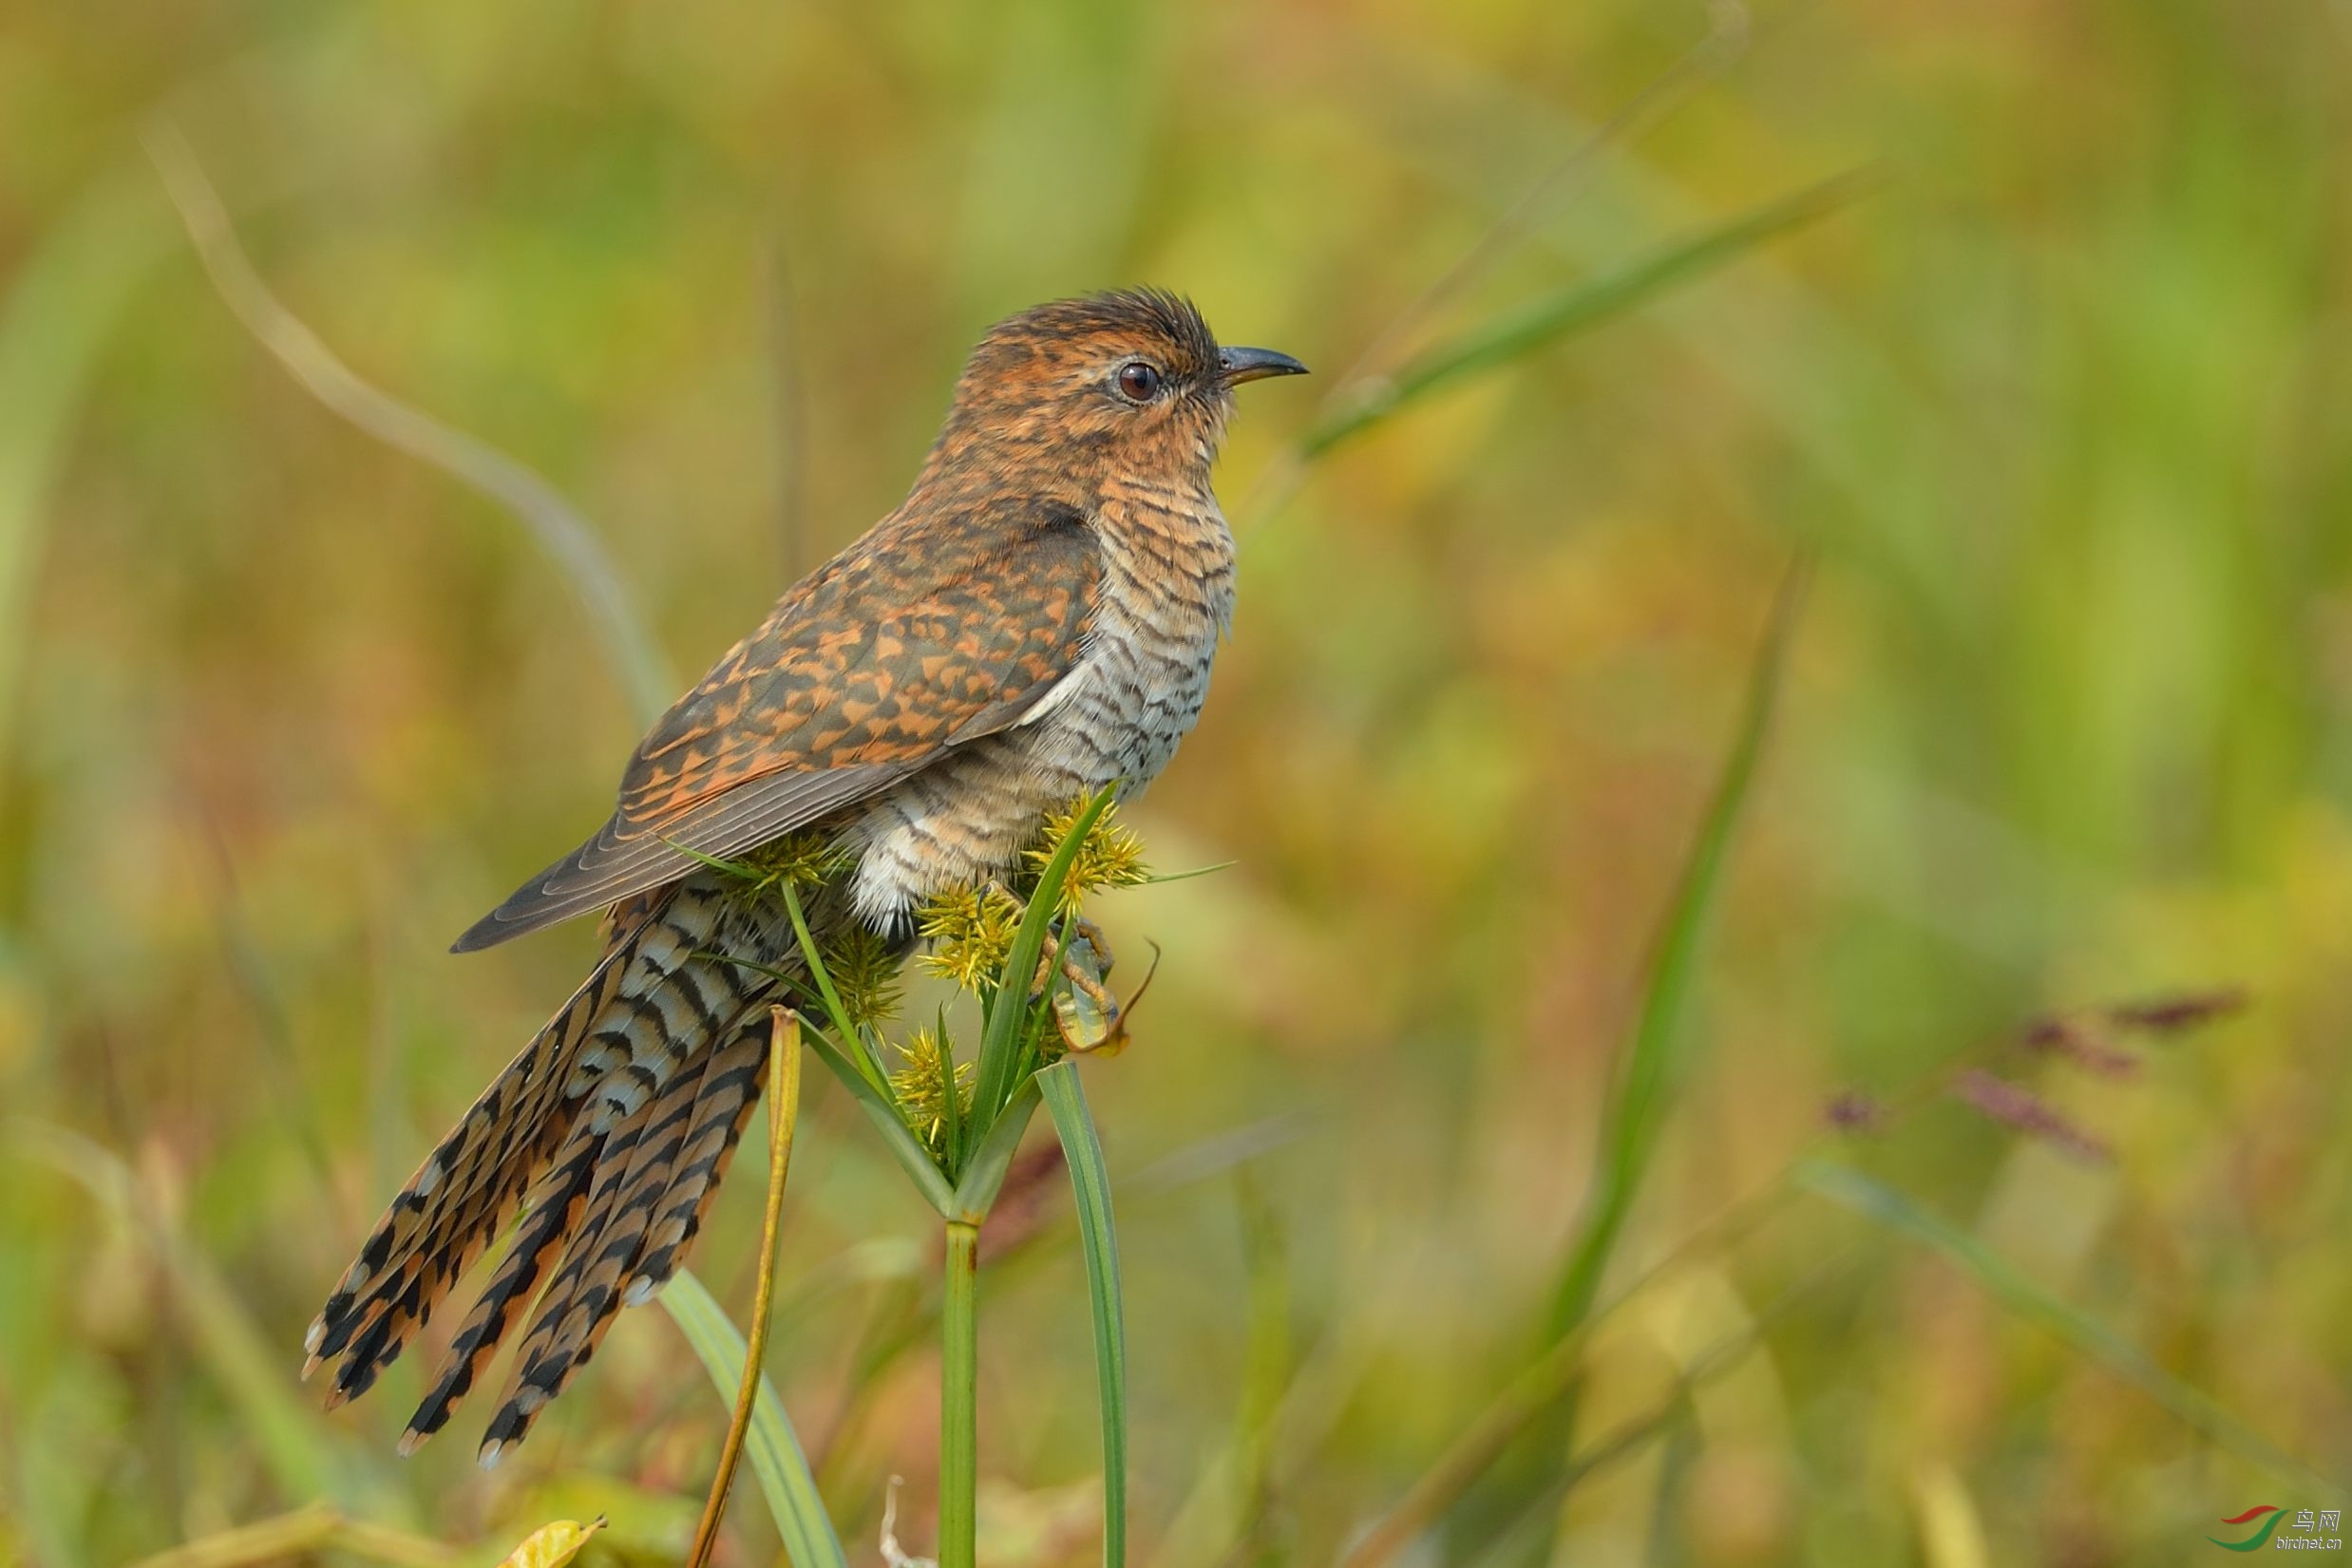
[1117, 717]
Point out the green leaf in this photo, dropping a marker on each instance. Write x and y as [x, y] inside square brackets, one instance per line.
[1010, 1018]
[883, 1109]
[1539, 322]
[777, 1461]
[976, 1192]
[2001, 1280]
[1653, 1064]
[951, 1103]
[851, 1042]
[1065, 1097]
[553, 1545]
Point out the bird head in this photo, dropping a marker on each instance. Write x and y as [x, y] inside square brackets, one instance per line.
[1131, 385]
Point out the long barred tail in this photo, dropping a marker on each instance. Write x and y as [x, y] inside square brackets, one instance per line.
[613, 1128]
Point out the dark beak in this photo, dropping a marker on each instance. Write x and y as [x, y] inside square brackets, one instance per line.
[1239, 365]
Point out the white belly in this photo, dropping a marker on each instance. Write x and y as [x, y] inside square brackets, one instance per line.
[1117, 717]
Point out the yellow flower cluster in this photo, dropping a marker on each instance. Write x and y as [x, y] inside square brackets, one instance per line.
[1111, 855]
[799, 859]
[970, 931]
[924, 1085]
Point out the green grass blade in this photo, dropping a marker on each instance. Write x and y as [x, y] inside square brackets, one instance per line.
[975, 1194]
[857, 1070]
[851, 1042]
[1552, 317]
[777, 1461]
[951, 1104]
[1898, 1211]
[1065, 1097]
[884, 1111]
[1002, 1040]
[1653, 1062]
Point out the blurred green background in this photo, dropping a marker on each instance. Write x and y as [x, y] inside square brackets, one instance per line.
[2062, 409]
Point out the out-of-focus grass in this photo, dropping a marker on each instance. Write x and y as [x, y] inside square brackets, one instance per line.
[66, 295]
[777, 1461]
[2062, 412]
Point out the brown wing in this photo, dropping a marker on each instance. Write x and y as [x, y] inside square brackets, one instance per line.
[928, 633]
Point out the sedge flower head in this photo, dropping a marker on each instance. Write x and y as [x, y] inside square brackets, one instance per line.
[923, 1085]
[1110, 855]
[971, 931]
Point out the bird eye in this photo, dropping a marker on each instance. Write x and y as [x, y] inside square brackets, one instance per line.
[1138, 382]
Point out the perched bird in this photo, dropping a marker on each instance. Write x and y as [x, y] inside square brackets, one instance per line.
[1034, 621]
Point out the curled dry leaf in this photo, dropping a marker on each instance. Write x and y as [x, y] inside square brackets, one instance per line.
[553, 1545]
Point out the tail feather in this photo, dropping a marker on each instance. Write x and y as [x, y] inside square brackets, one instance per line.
[476, 1152]
[730, 1088]
[556, 1204]
[543, 1362]
[612, 1129]
[618, 1039]
[401, 1301]
[636, 1169]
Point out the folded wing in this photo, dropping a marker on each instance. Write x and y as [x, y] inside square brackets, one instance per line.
[924, 635]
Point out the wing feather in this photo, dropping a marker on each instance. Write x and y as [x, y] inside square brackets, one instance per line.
[947, 623]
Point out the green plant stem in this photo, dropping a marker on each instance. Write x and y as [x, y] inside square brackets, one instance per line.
[959, 1355]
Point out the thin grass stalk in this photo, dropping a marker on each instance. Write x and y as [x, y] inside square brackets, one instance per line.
[1898, 1211]
[852, 1043]
[1725, 42]
[1652, 1063]
[1549, 317]
[1065, 1096]
[1543, 1383]
[1540, 1515]
[66, 295]
[1546, 1381]
[960, 1438]
[784, 1099]
[561, 532]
